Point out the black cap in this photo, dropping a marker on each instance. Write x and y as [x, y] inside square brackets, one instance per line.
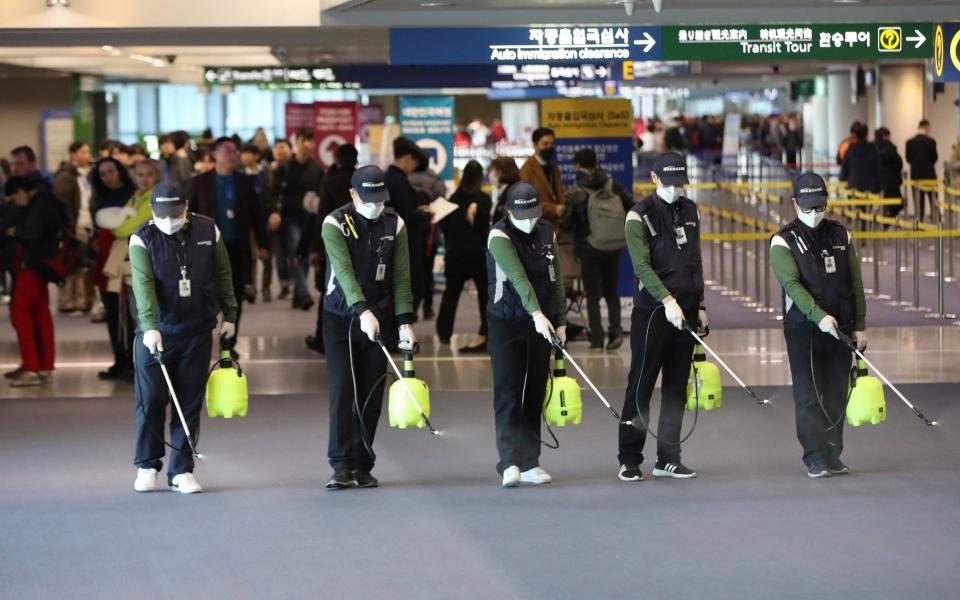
[522, 201]
[671, 169]
[810, 190]
[370, 186]
[167, 200]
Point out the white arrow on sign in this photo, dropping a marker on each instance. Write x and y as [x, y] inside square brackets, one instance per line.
[648, 42]
[919, 38]
[602, 72]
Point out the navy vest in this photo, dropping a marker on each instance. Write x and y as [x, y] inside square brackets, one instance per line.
[372, 246]
[674, 264]
[193, 247]
[535, 250]
[833, 292]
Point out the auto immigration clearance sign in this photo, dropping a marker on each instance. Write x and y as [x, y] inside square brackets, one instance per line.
[946, 52]
[852, 41]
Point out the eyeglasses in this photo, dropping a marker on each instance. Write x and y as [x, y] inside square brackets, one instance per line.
[815, 209]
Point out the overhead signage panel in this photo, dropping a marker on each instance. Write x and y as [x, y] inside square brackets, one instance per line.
[277, 77]
[946, 52]
[520, 45]
[798, 42]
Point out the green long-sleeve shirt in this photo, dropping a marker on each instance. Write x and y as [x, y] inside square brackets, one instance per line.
[338, 254]
[505, 254]
[788, 274]
[145, 284]
[639, 249]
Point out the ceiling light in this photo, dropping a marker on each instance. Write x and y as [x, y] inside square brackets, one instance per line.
[56, 3]
[436, 4]
[850, 1]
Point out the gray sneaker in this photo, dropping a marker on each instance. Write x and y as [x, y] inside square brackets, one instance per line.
[25, 379]
[818, 470]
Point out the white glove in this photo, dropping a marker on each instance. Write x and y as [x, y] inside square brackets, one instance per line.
[227, 330]
[702, 321]
[562, 335]
[370, 325]
[543, 326]
[408, 339]
[151, 339]
[829, 325]
[861, 339]
[673, 313]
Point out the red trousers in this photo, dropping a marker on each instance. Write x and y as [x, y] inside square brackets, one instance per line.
[30, 314]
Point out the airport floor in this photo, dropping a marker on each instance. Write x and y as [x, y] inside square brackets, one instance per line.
[752, 525]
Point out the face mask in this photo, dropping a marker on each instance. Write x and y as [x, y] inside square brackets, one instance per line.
[669, 194]
[169, 225]
[524, 225]
[547, 154]
[811, 220]
[368, 211]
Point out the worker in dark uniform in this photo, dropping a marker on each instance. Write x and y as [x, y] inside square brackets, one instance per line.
[816, 263]
[181, 280]
[366, 296]
[525, 313]
[663, 238]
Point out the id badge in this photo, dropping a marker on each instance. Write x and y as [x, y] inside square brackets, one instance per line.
[184, 288]
[681, 236]
[230, 214]
[830, 263]
[381, 271]
[553, 273]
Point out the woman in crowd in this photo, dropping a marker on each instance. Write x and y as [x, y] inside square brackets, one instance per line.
[503, 173]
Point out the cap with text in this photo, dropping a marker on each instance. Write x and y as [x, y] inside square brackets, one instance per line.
[167, 200]
[671, 169]
[522, 201]
[810, 191]
[370, 185]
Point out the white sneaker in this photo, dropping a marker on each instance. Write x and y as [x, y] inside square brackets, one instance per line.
[146, 480]
[511, 477]
[185, 484]
[536, 476]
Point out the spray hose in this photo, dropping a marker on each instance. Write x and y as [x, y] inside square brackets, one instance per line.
[853, 346]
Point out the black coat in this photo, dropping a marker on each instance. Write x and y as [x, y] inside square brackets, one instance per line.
[861, 167]
[891, 169]
[465, 242]
[336, 193]
[922, 156]
[40, 229]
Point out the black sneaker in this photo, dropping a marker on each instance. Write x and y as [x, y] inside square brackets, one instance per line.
[675, 470]
[284, 292]
[14, 373]
[615, 342]
[314, 343]
[838, 468]
[363, 479]
[630, 473]
[340, 480]
[818, 470]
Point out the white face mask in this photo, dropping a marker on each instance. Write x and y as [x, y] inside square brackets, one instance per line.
[169, 225]
[368, 211]
[524, 225]
[669, 193]
[811, 220]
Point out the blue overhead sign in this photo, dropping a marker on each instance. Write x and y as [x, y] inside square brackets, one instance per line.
[520, 45]
[946, 52]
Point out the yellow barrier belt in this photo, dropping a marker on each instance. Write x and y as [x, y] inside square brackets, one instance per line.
[878, 202]
[857, 235]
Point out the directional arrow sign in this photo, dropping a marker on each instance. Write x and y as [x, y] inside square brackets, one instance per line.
[648, 42]
[919, 38]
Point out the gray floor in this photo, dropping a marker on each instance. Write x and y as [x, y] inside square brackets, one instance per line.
[751, 526]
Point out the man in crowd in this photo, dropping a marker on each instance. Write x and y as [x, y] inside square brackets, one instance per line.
[177, 167]
[922, 156]
[72, 188]
[230, 198]
[542, 171]
[403, 199]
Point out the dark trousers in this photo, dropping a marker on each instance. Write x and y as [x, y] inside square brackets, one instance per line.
[345, 449]
[521, 363]
[457, 273]
[187, 358]
[666, 350]
[922, 197]
[120, 328]
[601, 272]
[278, 254]
[292, 230]
[831, 362]
[239, 270]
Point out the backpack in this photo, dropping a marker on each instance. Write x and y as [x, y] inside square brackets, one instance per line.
[606, 217]
[71, 254]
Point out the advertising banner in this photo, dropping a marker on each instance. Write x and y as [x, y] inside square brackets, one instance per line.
[296, 116]
[428, 121]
